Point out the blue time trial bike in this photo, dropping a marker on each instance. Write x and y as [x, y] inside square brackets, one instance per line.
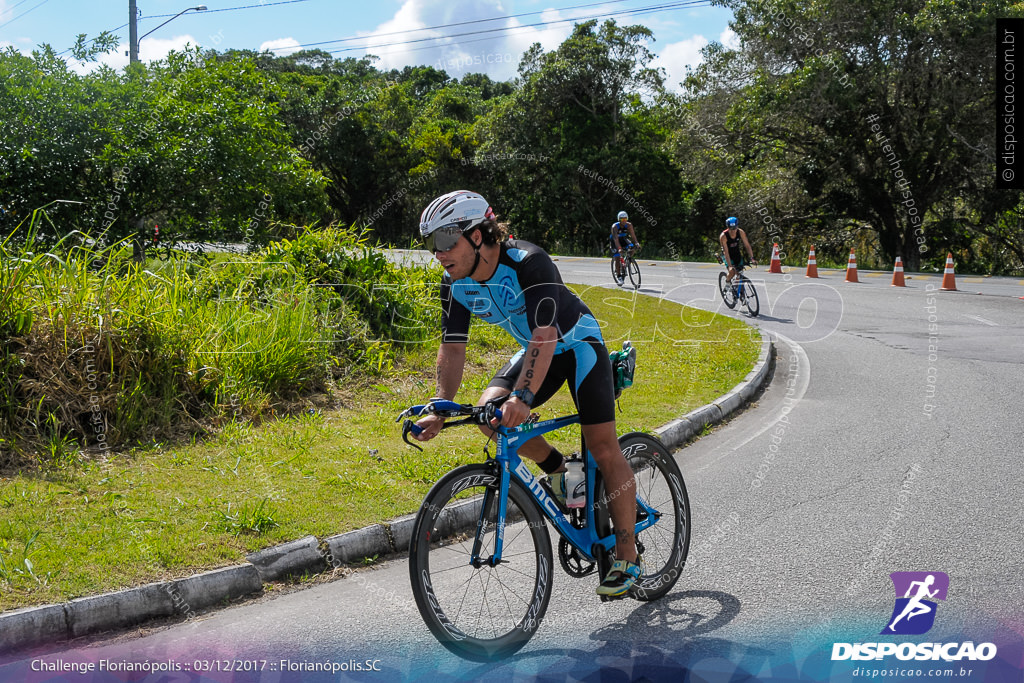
[480, 558]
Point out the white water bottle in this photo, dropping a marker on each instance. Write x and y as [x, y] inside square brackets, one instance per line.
[575, 484]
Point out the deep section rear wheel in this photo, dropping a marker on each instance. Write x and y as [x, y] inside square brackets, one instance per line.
[665, 545]
[480, 612]
[634, 272]
[750, 296]
[727, 291]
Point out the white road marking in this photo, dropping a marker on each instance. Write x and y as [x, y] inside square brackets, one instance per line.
[794, 395]
[981, 320]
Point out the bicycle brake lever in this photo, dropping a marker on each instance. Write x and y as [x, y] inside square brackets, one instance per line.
[407, 427]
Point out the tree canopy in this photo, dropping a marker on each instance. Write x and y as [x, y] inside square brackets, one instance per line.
[841, 124]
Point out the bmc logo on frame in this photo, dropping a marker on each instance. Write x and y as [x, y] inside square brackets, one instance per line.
[914, 614]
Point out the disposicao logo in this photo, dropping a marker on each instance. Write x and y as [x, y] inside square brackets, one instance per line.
[914, 614]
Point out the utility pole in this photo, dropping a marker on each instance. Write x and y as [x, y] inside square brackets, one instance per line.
[133, 32]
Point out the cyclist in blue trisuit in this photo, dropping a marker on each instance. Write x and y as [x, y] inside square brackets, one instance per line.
[623, 236]
[730, 239]
[514, 284]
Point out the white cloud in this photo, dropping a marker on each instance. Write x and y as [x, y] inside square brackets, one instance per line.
[675, 57]
[281, 47]
[729, 39]
[497, 54]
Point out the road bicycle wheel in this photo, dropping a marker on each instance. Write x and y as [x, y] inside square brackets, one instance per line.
[634, 272]
[480, 612]
[750, 296]
[665, 545]
[617, 273]
[726, 290]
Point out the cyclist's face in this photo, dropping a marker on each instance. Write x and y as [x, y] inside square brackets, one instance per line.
[458, 261]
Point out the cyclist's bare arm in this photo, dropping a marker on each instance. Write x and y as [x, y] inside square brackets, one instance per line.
[536, 363]
[615, 241]
[750, 252]
[632, 234]
[451, 361]
[725, 250]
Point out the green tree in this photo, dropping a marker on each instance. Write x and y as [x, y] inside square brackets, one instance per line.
[872, 114]
[575, 143]
[195, 143]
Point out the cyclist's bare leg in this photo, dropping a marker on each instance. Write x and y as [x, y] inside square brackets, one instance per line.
[536, 449]
[731, 274]
[618, 476]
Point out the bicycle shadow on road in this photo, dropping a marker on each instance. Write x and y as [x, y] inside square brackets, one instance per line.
[658, 639]
[671, 611]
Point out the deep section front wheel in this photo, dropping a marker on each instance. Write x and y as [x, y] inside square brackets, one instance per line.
[478, 610]
[750, 296]
[665, 545]
[727, 291]
[634, 272]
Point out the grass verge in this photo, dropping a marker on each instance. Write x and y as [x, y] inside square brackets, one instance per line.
[171, 510]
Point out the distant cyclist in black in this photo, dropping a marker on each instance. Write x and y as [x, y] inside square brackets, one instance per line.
[623, 236]
[730, 240]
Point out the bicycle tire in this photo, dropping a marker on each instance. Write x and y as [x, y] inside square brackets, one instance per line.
[619, 279]
[659, 483]
[725, 289]
[750, 297]
[633, 268]
[451, 594]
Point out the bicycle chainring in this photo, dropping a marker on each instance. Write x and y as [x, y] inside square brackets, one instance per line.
[572, 562]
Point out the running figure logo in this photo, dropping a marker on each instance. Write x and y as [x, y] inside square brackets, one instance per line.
[914, 613]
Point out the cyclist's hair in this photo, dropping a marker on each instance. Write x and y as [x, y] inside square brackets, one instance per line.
[492, 231]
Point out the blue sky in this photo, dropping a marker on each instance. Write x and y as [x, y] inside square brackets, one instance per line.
[384, 28]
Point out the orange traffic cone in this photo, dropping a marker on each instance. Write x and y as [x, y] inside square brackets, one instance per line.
[897, 274]
[776, 264]
[948, 281]
[812, 264]
[851, 268]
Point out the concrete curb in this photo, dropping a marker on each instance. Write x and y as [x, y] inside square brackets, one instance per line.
[33, 626]
[679, 431]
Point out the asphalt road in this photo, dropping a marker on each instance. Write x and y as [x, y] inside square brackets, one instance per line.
[890, 439]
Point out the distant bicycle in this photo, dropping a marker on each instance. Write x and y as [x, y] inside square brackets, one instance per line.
[741, 290]
[623, 265]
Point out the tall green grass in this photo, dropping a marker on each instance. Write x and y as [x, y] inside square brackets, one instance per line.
[98, 352]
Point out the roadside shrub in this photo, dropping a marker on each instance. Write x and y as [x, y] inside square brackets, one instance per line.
[98, 352]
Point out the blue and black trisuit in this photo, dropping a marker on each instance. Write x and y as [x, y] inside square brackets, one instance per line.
[524, 293]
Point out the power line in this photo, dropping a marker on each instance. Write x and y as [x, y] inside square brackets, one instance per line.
[161, 16]
[23, 13]
[232, 9]
[20, 2]
[460, 23]
[639, 10]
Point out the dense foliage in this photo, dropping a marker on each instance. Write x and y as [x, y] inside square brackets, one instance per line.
[98, 352]
[866, 124]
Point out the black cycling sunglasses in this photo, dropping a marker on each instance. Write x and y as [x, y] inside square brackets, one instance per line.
[443, 239]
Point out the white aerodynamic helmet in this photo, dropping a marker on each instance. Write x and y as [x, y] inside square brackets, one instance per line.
[446, 218]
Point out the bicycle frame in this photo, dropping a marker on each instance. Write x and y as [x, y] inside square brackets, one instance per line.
[511, 465]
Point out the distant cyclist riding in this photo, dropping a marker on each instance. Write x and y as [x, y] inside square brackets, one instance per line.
[734, 286]
[730, 240]
[624, 243]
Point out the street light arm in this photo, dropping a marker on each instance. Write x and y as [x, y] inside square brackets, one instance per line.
[201, 8]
